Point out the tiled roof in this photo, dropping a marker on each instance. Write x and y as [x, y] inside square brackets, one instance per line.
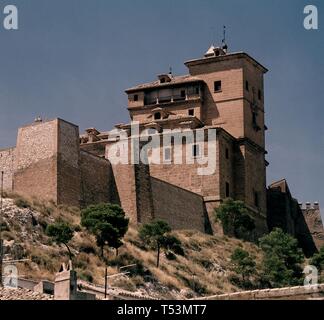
[157, 83]
[22, 294]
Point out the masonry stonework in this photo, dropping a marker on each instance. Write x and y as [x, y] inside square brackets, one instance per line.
[7, 157]
[223, 93]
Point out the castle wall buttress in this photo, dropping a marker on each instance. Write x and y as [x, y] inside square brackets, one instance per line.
[96, 180]
[47, 162]
[133, 186]
[36, 161]
[68, 164]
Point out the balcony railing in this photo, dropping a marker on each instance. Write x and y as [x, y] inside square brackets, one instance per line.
[173, 98]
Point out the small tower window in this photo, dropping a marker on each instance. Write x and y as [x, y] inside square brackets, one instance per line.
[135, 97]
[254, 119]
[191, 112]
[218, 86]
[227, 191]
[157, 116]
[247, 86]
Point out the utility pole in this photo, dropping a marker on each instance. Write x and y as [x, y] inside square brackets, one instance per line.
[106, 281]
[1, 241]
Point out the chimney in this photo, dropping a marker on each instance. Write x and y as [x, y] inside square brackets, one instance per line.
[65, 287]
[316, 206]
[308, 206]
[300, 205]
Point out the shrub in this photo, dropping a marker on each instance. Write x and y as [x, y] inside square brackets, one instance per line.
[87, 248]
[281, 265]
[86, 276]
[157, 235]
[318, 260]
[107, 222]
[61, 233]
[244, 266]
[235, 219]
[22, 203]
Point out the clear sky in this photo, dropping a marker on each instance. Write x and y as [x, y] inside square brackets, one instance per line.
[74, 58]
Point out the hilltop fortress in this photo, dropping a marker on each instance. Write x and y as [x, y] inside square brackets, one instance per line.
[223, 93]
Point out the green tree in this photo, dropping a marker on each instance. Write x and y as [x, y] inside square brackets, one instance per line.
[318, 260]
[107, 222]
[281, 265]
[157, 235]
[235, 219]
[61, 233]
[243, 264]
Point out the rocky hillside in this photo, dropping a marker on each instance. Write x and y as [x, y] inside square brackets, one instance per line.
[205, 268]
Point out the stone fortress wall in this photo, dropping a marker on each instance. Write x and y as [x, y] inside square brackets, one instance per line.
[7, 157]
[223, 92]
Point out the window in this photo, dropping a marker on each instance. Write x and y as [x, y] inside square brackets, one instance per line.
[247, 86]
[256, 199]
[197, 90]
[218, 86]
[227, 191]
[162, 80]
[259, 95]
[195, 151]
[191, 112]
[157, 116]
[254, 119]
[227, 153]
[135, 97]
[167, 154]
[183, 93]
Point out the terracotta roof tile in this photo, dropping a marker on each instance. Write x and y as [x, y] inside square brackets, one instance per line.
[157, 83]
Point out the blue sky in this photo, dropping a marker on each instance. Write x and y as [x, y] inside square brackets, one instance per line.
[74, 58]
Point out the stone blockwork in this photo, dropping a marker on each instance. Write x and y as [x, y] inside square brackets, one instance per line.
[285, 213]
[7, 157]
[182, 209]
[290, 293]
[48, 164]
[97, 180]
[36, 161]
[312, 215]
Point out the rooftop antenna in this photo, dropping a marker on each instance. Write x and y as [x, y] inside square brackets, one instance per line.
[224, 45]
[170, 70]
